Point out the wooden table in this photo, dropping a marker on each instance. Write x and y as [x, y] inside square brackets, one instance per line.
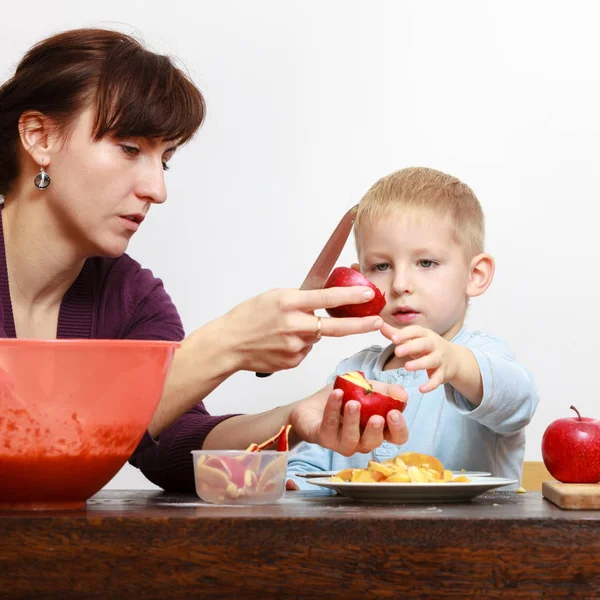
[145, 544]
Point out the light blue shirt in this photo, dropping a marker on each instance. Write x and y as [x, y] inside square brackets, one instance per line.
[443, 423]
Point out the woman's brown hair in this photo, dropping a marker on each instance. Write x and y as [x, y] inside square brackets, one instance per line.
[135, 91]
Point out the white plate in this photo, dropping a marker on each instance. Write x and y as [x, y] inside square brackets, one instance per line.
[471, 474]
[330, 473]
[413, 493]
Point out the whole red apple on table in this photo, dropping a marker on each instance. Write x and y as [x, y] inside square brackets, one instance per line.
[356, 387]
[571, 449]
[347, 277]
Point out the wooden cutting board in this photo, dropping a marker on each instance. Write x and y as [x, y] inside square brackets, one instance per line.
[572, 496]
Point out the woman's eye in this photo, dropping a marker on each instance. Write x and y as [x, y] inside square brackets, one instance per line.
[132, 150]
[382, 267]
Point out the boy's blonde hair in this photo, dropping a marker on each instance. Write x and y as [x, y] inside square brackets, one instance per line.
[423, 188]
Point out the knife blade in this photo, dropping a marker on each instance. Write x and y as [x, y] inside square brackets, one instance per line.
[317, 276]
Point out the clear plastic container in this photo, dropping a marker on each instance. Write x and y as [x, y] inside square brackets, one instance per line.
[239, 477]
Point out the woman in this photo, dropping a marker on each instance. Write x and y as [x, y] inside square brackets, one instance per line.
[88, 123]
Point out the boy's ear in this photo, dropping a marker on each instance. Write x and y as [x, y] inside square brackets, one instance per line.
[38, 136]
[481, 273]
[355, 266]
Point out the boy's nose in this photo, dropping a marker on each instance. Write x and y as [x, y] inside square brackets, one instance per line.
[402, 283]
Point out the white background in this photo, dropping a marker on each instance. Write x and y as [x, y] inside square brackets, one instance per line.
[309, 102]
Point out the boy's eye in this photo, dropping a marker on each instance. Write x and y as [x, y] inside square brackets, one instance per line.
[382, 267]
[426, 264]
[166, 167]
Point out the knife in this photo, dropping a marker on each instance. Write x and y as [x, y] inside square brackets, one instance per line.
[317, 276]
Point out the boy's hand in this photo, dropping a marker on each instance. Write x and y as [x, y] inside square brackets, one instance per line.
[429, 351]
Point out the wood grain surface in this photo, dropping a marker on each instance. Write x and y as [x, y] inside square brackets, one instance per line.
[572, 496]
[145, 544]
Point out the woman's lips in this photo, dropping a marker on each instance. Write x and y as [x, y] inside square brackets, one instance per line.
[130, 224]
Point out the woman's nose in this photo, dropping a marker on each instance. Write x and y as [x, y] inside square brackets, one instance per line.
[151, 185]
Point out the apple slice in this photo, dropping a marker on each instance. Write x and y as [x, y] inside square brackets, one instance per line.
[416, 475]
[356, 387]
[385, 470]
[345, 474]
[416, 459]
[398, 478]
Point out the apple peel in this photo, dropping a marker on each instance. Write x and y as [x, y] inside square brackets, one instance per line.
[281, 437]
[223, 478]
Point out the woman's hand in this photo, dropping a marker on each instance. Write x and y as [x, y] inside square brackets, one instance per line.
[318, 419]
[276, 330]
[268, 333]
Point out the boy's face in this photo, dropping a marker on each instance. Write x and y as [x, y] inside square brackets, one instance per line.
[423, 271]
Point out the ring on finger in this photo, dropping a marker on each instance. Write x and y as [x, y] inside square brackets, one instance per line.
[319, 331]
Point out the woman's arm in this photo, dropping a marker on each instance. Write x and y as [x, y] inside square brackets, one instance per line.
[268, 333]
[317, 419]
[202, 363]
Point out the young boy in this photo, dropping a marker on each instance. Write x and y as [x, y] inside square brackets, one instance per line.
[420, 239]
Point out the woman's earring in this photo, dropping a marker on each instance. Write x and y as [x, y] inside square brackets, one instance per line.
[42, 179]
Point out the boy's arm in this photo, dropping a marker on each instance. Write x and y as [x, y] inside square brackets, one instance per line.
[492, 387]
[481, 377]
[467, 379]
[308, 458]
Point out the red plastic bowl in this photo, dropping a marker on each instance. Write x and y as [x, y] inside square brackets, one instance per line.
[71, 413]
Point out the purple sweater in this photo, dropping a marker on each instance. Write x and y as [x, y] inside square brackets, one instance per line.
[118, 299]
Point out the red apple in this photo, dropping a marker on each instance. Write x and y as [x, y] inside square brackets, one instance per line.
[571, 449]
[356, 387]
[346, 277]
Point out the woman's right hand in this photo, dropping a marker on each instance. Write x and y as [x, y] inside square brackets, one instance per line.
[268, 333]
[277, 329]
